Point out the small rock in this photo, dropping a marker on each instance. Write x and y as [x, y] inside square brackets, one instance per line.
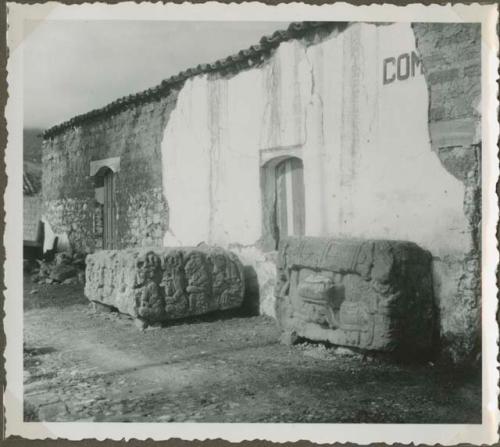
[70, 281]
[63, 258]
[52, 412]
[346, 352]
[289, 338]
[140, 324]
[102, 308]
[81, 277]
[62, 272]
[166, 418]
[79, 259]
[87, 403]
[39, 398]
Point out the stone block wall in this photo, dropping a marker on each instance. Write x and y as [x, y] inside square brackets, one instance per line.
[69, 203]
[72, 219]
[451, 55]
[165, 284]
[31, 217]
[145, 219]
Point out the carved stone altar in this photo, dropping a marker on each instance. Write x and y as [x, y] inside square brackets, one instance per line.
[165, 284]
[369, 294]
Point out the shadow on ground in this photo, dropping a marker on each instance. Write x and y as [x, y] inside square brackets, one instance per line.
[82, 365]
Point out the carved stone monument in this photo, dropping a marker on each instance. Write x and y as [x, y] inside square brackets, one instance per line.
[369, 294]
[159, 285]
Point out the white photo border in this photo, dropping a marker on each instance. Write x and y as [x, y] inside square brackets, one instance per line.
[446, 434]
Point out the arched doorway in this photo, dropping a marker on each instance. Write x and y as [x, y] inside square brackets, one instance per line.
[109, 210]
[283, 200]
[105, 195]
[290, 198]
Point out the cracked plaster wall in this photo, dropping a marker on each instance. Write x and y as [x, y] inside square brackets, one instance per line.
[380, 160]
[369, 168]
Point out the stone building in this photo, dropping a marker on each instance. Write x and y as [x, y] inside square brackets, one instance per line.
[32, 194]
[32, 217]
[326, 129]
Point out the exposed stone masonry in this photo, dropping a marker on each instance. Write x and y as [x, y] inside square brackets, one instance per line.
[75, 218]
[70, 204]
[146, 214]
[451, 56]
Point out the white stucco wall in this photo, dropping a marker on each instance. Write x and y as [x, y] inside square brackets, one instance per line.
[369, 170]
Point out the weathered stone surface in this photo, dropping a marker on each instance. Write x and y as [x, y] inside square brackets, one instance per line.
[62, 271]
[375, 295]
[68, 189]
[165, 284]
[66, 268]
[455, 131]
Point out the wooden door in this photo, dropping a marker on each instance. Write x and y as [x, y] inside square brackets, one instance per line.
[290, 198]
[109, 211]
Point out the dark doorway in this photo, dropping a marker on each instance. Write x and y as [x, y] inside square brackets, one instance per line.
[109, 213]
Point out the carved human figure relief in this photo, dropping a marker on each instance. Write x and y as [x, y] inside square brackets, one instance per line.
[198, 282]
[174, 283]
[150, 303]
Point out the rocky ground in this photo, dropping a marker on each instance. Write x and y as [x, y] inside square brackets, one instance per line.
[82, 365]
[65, 268]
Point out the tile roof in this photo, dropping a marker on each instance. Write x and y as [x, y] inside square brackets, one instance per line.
[231, 64]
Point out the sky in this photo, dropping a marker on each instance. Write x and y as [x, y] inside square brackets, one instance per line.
[72, 67]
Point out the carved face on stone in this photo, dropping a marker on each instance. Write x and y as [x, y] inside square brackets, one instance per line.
[140, 274]
[174, 260]
[151, 266]
[178, 259]
[168, 270]
[168, 262]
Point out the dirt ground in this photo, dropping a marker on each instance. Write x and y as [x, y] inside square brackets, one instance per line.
[86, 365]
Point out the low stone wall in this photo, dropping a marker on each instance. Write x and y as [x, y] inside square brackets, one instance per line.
[374, 295]
[156, 285]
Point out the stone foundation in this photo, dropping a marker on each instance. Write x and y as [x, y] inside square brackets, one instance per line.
[374, 295]
[165, 284]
